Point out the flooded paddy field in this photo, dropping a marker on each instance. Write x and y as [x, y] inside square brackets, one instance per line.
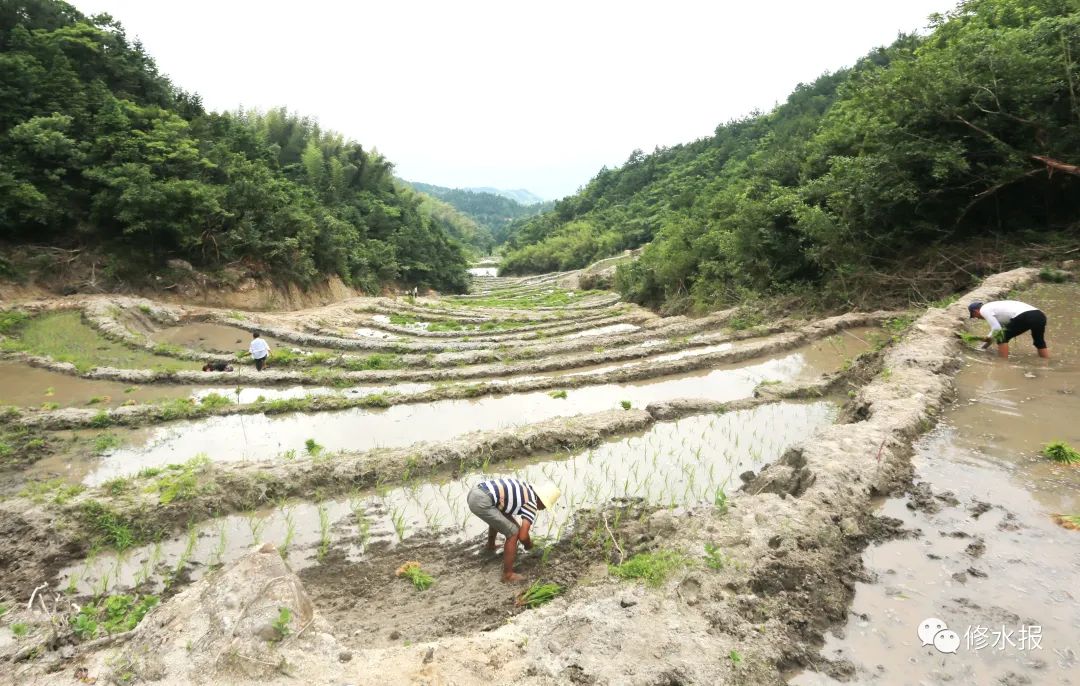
[271, 438]
[674, 464]
[711, 535]
[983, 552]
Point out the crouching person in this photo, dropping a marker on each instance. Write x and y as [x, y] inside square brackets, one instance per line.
[498, 502]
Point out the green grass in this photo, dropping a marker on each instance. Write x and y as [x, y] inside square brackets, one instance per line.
[415, 574]
[20, 629]
[53, 490]
[652, 568]
[105, 442]
[20, 445]
[212, 400]
[1061, 452]
[1053, 275]
[375, 361]
[557, 298]
[558, 395]
[626, 405]
[180, 481]
[539, 593]
[65, 338]
[12, 320]
[108, 528]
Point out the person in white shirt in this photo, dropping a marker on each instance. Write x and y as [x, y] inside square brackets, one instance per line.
[1008, 319]
[259, 351]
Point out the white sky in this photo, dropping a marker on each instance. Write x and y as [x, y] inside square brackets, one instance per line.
[535, 95]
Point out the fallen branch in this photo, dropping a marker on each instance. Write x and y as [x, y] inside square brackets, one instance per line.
[617, 546]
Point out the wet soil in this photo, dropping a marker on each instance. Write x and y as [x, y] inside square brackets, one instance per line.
[25, 386]
[987, 557]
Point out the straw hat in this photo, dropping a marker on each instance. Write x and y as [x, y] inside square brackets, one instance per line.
[547, 493]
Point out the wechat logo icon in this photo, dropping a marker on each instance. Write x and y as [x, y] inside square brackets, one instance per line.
[933, 631]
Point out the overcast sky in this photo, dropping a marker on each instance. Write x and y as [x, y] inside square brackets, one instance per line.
[535, 95]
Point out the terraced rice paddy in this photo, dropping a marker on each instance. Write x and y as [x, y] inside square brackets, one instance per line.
[128, 470]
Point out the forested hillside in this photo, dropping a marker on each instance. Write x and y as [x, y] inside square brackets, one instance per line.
[492, 211]
[98, 149]
[969, 131]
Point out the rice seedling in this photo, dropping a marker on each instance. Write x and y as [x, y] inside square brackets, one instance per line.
[255, 523]
[218, 553]
[290, 531]
[537, 594]
[398, 519]
[312, 448]
[558, 395]
[185, 556]
[324, 532]
[1061, 452]
[414, 573]
[720, 501]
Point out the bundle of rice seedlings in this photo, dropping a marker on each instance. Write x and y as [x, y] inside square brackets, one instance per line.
[538, 594]
[1060, 451]
[1067, 521]
[420, 579]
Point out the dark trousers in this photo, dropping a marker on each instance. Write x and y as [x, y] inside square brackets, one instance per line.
[1033, 321]
[260, 362]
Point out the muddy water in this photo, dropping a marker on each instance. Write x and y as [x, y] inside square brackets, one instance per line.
[27, 386]
[672, 464]
[826, 353]
[218, 338]
[993, 566]
[261, 437]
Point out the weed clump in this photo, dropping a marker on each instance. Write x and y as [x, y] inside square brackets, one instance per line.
[1061, 452]
[625, 404]
[115, 615]
[558, 395]
[212, 400]
[281, 624]
[413, 572]
[652, 568]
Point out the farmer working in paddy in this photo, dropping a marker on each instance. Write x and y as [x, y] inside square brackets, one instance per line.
[498, 502]
[1008, 319]
[259, 351]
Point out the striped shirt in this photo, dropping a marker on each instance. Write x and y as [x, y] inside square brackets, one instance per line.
[512, 497]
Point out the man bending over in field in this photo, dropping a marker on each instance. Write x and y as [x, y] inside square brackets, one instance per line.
[498, 501]
[1008, 319]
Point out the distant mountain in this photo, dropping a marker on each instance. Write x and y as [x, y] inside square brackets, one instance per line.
[519, 195]
[492, 209]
